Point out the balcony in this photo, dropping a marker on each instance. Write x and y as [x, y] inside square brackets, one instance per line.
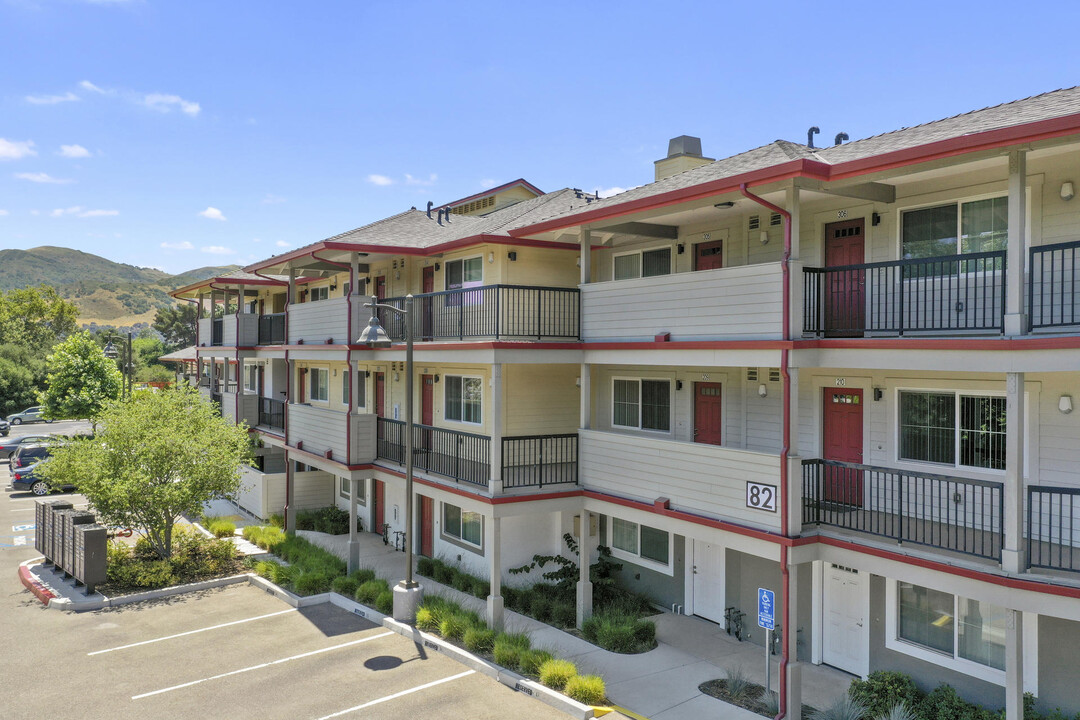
[272, 329]
[271, 414]
[240, 407]
[326, 432]
[262, 489]
[539, 460]
[490, 312]
[707, 479]
[1053, 527]
[315, 323]
[948, 513]
[744, 302]
[956, 293]
[1053, 300]
[217, 334]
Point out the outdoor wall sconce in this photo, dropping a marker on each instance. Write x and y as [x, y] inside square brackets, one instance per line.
[303, 371]
[367, 373]
[762, 391]
[333, 285]
[577, 382]
[436, 378]
[1065, 404]
[512, 255]
[682, 248]
[875, 219]
[678, 384]
[1067, 192]
[438, 267]
[396, 377]
[764, 237]
[878, 394]
[491, 257]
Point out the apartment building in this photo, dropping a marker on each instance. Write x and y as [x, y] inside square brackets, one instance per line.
[845, 374]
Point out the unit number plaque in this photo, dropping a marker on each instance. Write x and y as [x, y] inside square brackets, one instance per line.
[760, 496]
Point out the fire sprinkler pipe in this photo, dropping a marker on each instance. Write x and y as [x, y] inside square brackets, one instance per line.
[785, 377]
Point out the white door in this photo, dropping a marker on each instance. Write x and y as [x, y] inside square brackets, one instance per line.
[709, 570]
[845, 606]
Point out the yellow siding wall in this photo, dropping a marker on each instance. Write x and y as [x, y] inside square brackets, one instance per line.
[540, 399]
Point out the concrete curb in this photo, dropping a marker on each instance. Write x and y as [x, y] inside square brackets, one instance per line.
[297, 601]
[357, 609]
[42, 593]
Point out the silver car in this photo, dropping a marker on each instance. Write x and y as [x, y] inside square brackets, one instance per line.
[30, 414]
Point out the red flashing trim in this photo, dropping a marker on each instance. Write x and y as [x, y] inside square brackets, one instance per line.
[494, 345]
[1012, 344]
[520, 181]
[41, 592]
[691, 345]
[315, 456]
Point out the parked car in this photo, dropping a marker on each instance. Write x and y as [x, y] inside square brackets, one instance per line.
[8, 447]
[30, 414]
[29, 454]
[5, 427]
[25, 479]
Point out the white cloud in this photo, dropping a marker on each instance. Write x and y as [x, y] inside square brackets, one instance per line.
[3, 212]
[410, 180]
[165, 103]
[52, 99]
[487, 183]
[212, 213]
[608, 192]
[73, 151]
[218, 250]
[43, 178]
[272, 199]
[380, 180]
[87, 85]
[16, 149]
[80, 211]
[183, 245]
[283, 244]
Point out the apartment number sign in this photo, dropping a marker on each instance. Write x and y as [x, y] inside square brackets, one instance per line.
[760, 496]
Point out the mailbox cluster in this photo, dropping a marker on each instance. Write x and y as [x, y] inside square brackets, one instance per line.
[70, 540]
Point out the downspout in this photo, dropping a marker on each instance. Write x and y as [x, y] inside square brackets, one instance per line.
[785, 376]
[348, 355]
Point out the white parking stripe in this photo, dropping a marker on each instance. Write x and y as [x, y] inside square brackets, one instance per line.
[418, 688]
[262, 665]
[192, 632]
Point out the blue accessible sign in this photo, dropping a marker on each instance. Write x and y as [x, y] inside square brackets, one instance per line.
[766, 607]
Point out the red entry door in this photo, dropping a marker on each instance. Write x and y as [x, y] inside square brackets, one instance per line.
[707, 418]
[842, 430]
[709, 255]
[427, 526]
[380, 394]
[425, 303]
[427, 409]
[845, 290]
[380, 500]
[380, 287]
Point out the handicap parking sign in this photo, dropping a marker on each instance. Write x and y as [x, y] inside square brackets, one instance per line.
[766, 608]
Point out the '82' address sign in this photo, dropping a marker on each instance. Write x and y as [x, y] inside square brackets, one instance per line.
[760, 496]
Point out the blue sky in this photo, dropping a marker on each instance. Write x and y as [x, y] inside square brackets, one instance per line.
[186, 133]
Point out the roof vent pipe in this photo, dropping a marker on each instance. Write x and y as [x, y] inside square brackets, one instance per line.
[440, 216]
[429, 204]
[840, 137]
[810, 136]
[447, 216]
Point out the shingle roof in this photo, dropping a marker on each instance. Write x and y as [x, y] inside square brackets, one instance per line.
[181, 355]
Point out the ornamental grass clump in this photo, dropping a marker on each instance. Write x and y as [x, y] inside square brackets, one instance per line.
[509, 648]
[369, 592]
[531, 660]
[588, 689]
[555, 673]
[478, 639]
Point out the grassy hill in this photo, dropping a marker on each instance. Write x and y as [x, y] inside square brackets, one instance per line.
[106, 292]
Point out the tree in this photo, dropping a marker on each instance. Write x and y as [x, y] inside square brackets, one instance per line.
[178, 325]
[35, 317]
[80, 379]
[157, 456]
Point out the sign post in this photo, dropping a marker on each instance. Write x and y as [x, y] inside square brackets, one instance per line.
[766, 613]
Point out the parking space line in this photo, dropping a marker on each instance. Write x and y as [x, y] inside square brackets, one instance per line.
[262, 665]
[192, 632]
[396, 695]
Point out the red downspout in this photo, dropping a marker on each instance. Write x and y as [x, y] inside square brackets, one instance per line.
[786, 443]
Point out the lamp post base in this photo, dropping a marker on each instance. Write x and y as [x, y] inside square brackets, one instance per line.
[407, 600]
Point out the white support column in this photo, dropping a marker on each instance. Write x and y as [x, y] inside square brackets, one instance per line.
[585, 376]
[790, 638]
[291, 298]
[1014, 665]
[497, 419]
[1015, 316]
[584, 585]
[586, 256]
[1012, 555]
[290, 496]
[354, 539]
[354, 291]
[794, 485]
[795, 265]
[492, 542]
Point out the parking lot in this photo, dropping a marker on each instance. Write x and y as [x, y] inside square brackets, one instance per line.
[233, 652]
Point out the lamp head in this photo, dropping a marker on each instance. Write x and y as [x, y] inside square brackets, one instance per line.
[110, 351]
[373, 335]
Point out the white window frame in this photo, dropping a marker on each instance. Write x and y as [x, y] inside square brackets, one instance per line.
[361, 384]
[636, 558]
[458, 539]
[311, 385]
[251, 373]
[323, 290]
[344, 484]
[641, 261]
[446, 405]
[960, 201]
[462, 260]
[957, 392]
[639, 428]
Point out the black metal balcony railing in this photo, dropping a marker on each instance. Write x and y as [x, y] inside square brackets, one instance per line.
[956, 514]
[272, 413]
[491, 311]
[461, 456]
[1053, 297]
[272, 329]
[538, 460]
[1053, 527]
[941, 294]
[216, 330]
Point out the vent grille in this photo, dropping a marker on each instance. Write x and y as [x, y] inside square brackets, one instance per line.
[755, 222]
[775, 219]
[774, 374]
[751, 374]
[474, 206]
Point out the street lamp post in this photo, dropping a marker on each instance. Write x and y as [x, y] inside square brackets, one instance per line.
[408, 593]
[126, 366]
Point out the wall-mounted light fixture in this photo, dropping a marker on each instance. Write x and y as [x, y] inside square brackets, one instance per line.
[579, 261]
[682, 248]
[367, 373]
[763, 237]
[333, 285]
[678, 384]
[1067, 192]
[762, 390]
[491, 257]
[875, 219]
[396, 377]
[724, 205]
[438, 267]
[436, 378]
[1065, 404]
[512, 255]
[878, 394]
[577, 382]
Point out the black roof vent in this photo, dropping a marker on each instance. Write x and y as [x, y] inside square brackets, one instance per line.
[810, 136]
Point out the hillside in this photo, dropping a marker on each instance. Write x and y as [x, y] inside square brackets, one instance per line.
[118, 294]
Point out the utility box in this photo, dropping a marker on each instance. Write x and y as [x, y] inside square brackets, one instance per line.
[64, 536]
[89, 543]
[45, 516]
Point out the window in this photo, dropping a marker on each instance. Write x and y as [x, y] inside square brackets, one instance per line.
[954, 626]
[640, 541]
[462, 400]
[251, 377]
[465, 273]
[463, 525]
[319, 293]
[957, 228]
[952, 429]
[361, 389]
[319, 384]
[345, 389]
[642, 404]
[648, 263]
[343, 487]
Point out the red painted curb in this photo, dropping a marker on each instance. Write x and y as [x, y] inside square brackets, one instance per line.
[40, 591]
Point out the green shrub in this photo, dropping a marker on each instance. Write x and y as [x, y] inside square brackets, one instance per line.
[312, 582]
[588, 689]
[265, 568]
[369, 591]
[444, 574]
[461, 581]
[512, 598]
[276, 520]
[221, 528]
[426, 619]
[556, 673]
[540, 608]
[508, 649]
[385, 603]
[769, 700]
[883, 689]
[479, 639]
[331, 520]
[944, 704]
[363, 575]
[531, 660]
[563, 614]
[425, 566]
[283, 574]
[452, 627]
[154, 574]
[614, 629]
[900, 711]
[346, 586]
[480, 588]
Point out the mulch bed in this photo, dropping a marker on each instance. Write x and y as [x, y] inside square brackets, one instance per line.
[749, 699]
